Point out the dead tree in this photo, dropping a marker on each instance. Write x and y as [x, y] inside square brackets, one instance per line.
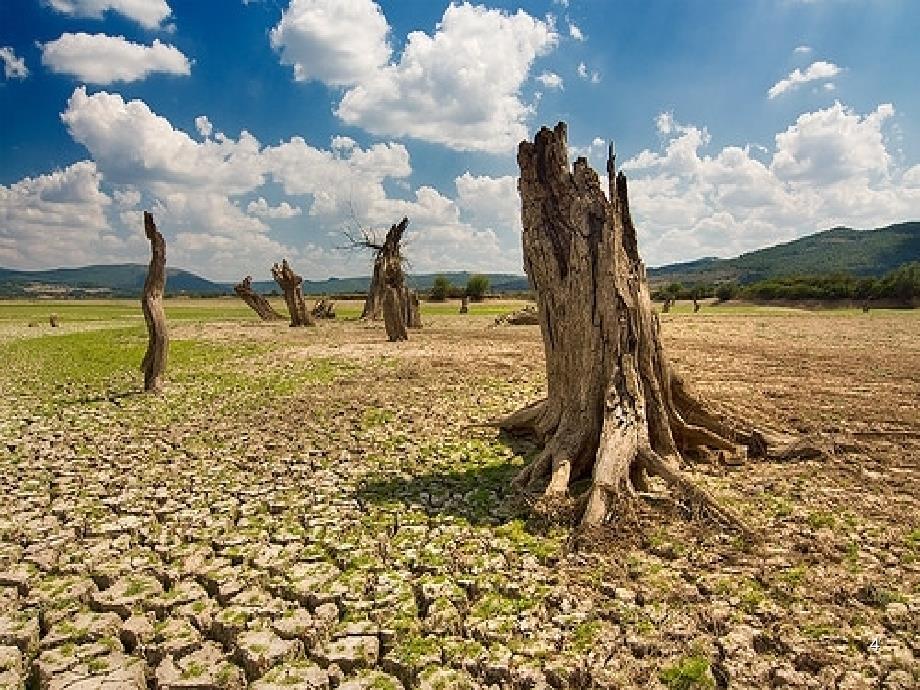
[324, 309]
[413, 309]
[615, 411]
[388, 295]
[387, 259]
[290, 284]
[154, 361]
[465, 305]
[256, 302]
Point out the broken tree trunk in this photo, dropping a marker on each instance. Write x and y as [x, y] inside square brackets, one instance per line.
[413, 309]
[290, 284]
[256, 302]
[615, 410]
[324, 309]
[154, 361]
[387, 264]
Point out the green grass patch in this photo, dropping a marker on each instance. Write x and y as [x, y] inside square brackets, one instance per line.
[690, 673]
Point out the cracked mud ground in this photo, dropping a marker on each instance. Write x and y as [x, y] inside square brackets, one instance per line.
[316, 508]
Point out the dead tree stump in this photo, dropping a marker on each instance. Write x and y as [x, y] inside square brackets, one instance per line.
[256, 302]
[154, 361]
[413, 309]
[290, 284]
[323, 309]
[465, 305]
[615, 410]
[387, 260]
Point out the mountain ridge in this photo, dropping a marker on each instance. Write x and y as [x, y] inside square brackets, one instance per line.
[861, 253]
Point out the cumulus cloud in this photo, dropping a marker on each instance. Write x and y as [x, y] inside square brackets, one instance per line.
[148, 13]
[57, 219]
[209, 198]
[102, 59]
[816, 71]
[13, 67]
[830, 167]
[260, 207]
[550, 80]
[203, 125]
[339, 43]
[575, 32]
[459, 86]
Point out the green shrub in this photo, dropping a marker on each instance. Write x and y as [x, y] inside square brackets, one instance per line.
[477, 287]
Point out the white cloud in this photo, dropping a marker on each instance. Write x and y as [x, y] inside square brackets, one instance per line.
[575, 32]
[127, 198]
[57, 219]
[816, 71]
[593, 76]
[459, 87]
[260, 207]
[148, 13]
[13, 67]
[203, 125]
[802, 50]
[550, 80]
[339, 42]
[102, 59]
[207, 196]
[831, 167]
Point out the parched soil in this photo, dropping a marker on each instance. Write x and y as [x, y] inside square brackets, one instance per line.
[314, 508]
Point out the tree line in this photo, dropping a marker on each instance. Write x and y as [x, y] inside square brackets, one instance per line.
[901, 284]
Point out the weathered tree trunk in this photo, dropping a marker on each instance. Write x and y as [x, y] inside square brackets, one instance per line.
[394, 313]
[324, 309]
[615, 410]
[154, 361]
[256, 302]
[465, 305]
[387, 266]
[290, 284]
[413, 309]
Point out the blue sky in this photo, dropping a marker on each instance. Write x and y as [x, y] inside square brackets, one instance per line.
[261, 129]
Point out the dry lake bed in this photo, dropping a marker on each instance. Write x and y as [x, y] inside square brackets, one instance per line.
[320, 508]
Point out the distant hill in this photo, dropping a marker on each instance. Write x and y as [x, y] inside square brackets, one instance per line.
[498, 282]
[117, 280]
[839, 250]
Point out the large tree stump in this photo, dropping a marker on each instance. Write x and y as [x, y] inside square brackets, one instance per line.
[154, 361]
[615, 411]
[256, 302]
[387, 266]
[290, 283]
[388, 295]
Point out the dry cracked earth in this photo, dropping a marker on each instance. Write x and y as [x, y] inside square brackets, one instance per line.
[318, 508]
